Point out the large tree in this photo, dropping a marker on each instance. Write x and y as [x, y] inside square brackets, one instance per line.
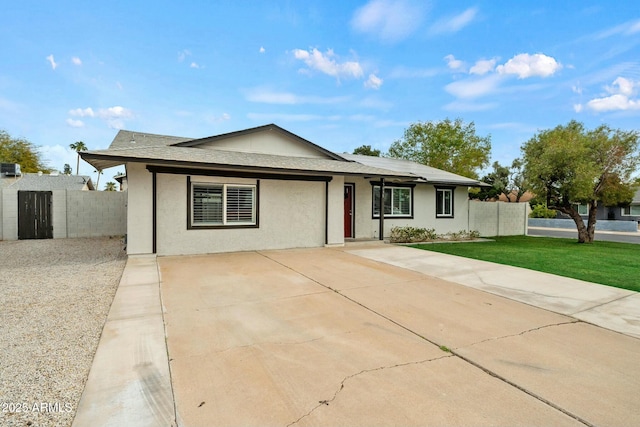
[78, 147]
[503, 180]
[22, 152]
[448, 145]
[570, 165]
[366, 150]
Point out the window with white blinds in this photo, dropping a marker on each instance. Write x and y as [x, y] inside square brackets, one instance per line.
[223, 204]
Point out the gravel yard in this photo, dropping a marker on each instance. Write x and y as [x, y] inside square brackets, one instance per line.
[54, 299]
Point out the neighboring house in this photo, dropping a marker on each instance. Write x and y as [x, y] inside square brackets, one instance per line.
[47, 182]
[267, 188]
[122, 180]
[629, 212]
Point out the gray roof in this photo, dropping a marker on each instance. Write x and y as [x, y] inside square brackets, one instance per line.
[45, 182]
[230, 160]
[129, 146]
[429, 174]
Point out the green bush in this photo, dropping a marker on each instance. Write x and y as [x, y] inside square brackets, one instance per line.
[541, 211]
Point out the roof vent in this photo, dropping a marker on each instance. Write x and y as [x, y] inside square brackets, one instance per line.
[10, 169]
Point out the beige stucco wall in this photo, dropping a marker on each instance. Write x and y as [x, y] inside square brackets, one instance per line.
[267, 143]
[291, 215]
[424, 211]
[139, 210]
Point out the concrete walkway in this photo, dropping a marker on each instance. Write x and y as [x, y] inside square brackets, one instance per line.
[273, 338]
[129, 382]
[605, 306]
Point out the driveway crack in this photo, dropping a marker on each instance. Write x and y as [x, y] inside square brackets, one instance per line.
[521, 333]
[326, 402]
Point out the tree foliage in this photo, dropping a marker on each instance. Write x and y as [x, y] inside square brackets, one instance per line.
[570, 165]
[498, 178]
[22, 152]
[110, 186]
[67, 169]
[366, 150]
[78, 147]
[448, 145]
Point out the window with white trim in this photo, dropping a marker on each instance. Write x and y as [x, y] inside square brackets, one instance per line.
[223, 205]
[632, 210]
[444, 202]
[397, 201]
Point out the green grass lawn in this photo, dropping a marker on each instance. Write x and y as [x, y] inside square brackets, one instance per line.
[607, 263]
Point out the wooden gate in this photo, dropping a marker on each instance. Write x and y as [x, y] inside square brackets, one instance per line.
[34, 215]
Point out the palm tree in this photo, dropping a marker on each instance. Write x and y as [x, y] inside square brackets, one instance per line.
[110, 186]
[78, 147]
[98, 180]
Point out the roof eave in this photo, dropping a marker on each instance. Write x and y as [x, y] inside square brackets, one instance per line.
[103, 161]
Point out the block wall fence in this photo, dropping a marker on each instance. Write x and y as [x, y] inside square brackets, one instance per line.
[75, 213]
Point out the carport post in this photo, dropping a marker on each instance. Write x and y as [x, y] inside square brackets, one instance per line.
[381, 208]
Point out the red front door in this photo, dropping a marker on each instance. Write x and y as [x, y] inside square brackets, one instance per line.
[348, 210]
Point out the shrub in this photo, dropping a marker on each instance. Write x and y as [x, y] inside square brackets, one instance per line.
[415, 234]
[412, 234]
[541, 211]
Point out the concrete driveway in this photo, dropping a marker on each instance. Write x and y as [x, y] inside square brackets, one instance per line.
[328, 337]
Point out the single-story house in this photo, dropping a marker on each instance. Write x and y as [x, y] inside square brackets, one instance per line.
[47, 182]
[630, 212]
[267, 188]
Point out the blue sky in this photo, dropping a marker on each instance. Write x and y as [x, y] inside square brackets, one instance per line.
[339, 73]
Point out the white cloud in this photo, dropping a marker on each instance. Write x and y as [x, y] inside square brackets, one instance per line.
[194, 65]
[262, 50]
[483, 66]
[218, 119]
[52, 61]
[613, 103]
[577, 89]
[373, 82]
[454, 23]
[474, 87]
[267, 96]
[525, 65]
[182, 55]
[79, 112]
[453, 63]
[622, 92]
[57, 155]
[326, 63]
[75, 123]
[76, 60]
[577, 108]
[628, 28]
[623, 86]
[113, 116]
[389, 20]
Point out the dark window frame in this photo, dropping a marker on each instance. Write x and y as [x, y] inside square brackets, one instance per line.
[440, 188]
[411, 187]
[192, 226]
